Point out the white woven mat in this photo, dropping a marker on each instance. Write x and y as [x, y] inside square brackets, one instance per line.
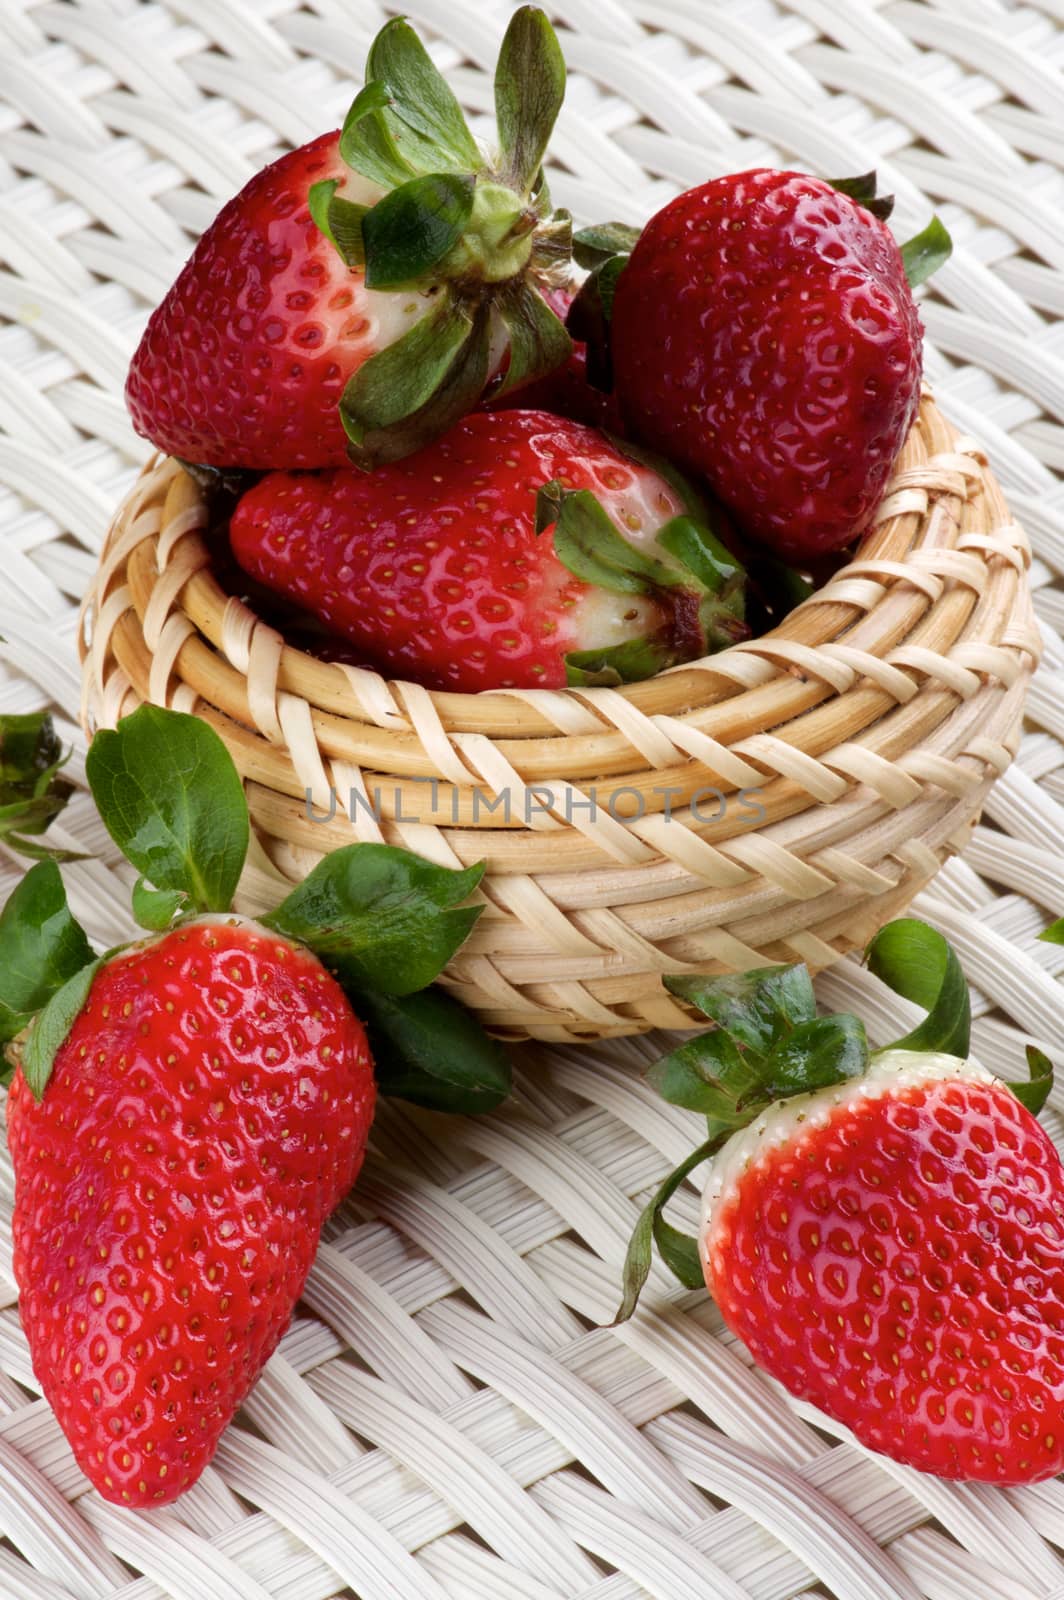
[444, 1418]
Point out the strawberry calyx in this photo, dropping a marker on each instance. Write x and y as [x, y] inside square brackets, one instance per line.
[32, 790]
[480, 236]
[769, 1045]
[863, 188]
[605, 247]
[697, 581]
[383, 921]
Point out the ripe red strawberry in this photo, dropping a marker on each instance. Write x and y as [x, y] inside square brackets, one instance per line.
[186, 1112]
[892, 1250]
[244, 362]
[434, 566]
[885, 1234]
[356, 297]
[208, 1109]
[764, 334]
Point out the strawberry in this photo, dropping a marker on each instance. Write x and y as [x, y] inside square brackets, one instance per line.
[356, 297]
[207, 1110]
[442, 567]
[886, 1236]
[32, 789]
[891, 1250]
[186, 1112]
[763, 332]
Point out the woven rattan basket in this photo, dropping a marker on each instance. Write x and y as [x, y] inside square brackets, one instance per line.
[775, 802]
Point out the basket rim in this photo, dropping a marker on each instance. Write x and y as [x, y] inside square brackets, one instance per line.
[872, 721]
[369, 696]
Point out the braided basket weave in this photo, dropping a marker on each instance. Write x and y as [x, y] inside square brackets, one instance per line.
[620, 832]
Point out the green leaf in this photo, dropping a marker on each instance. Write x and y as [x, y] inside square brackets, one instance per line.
[703, 554]
[538, 341]
[155, 909]
[641, 1246]
[815, 1055]
[453, 388]
[918, 963]
[49, 1032]
[589, 319]
[410, 231]
[606, 278]
[1036, 1091]
[755, 1007]
[380, 918]
[679, 1251]
[427, 1048]
[586, 541]
[925, 253]
[29, 750]
[550, 498]
[367, 143]
[402, 377]
[22, 823]
[30, 816]
[173, 802]
[423, 116]
[529, 90]
[32, 794]
[713, 1075]
[863, 190]
[552, 244]
[540, 198]
[1054, 934]
[41, 947]
[595, 245]
[629, 662]
[40, 852]
[339, 220]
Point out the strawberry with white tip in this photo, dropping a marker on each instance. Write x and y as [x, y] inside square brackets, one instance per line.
[885, 1234]
[519, 551]
[360, 294]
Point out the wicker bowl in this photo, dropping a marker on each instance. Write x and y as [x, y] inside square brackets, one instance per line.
[620, 830]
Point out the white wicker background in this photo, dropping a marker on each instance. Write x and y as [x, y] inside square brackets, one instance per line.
[445, 1419]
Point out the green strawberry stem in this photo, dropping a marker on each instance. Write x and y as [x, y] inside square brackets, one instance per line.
[32, 792]
[701, 585]
[384, 921]
[863, 190]
[480, 234]
[768, 1044]
[928, 250]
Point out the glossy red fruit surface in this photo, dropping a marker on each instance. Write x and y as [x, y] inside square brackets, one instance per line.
[764, 335]
[567, 392]
[244, 361]
[432, 565]
[208, 1109]
[897, 1259]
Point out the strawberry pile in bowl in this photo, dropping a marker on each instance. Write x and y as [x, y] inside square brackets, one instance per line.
[635, 564]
